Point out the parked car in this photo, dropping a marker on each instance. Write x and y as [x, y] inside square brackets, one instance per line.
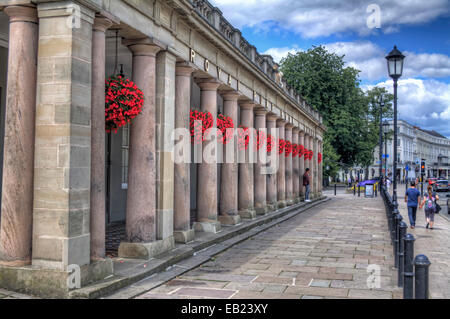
[441, 185]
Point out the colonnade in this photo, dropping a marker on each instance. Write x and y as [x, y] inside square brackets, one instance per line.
[54, 167]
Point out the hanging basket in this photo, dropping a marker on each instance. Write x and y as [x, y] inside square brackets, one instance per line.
[281, 145]
[243, 138]
[294, 150]
[123, 102]
[225, 128]
[287, 148]
[319, 157]
[270, 143]
[301, 150]
[199, 123]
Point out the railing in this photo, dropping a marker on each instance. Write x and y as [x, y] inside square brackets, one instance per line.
[411, 271]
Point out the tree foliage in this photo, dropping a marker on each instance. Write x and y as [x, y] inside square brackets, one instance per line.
[350, 115]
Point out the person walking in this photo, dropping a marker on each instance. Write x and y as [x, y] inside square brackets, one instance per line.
[306, 182]
[429, 201]
[412, 199]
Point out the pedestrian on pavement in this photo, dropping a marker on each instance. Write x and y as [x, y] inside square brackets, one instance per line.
[306, 181]
[429, 200]
[412, 198]
[349, 182]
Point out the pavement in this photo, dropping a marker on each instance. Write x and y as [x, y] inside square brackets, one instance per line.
[432, 243]
[324, 252]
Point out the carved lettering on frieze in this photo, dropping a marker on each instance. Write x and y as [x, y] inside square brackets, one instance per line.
[219, 72]
[192, 56]
[229, 79]
[206, 65]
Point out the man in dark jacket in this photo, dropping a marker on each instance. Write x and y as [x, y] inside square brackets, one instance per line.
[306, 181]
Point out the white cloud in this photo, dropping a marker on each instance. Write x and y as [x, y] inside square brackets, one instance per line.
[425, 103]
[314, 18]
[370, 60]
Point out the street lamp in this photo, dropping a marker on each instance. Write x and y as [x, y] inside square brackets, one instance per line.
[395, 69]
[385, 132]
[381, 102]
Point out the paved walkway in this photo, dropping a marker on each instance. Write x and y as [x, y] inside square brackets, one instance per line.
[321, 253]
[435, 244]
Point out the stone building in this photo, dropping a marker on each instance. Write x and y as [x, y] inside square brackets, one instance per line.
[67, 185]
[414, 146]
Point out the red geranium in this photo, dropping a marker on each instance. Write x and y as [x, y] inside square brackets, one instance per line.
[301, 150]
[123, 102]
[287, 148]
[270, 143]
[295, 150]
[319, 157]
[260, 139]
[199, 123]
[281, 145]
[225, 128]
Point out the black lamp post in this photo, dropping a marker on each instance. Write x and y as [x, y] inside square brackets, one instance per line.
[381, 101]
[385, 132]
[395, 70]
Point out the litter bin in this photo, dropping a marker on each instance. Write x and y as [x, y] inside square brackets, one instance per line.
[369, 190]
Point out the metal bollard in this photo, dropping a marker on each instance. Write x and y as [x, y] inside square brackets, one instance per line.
[359, 190]
[335, 188]
[398, 220]
[401, 252]
[354, 190]
[421, 270]
[393, 227]
[408, 271]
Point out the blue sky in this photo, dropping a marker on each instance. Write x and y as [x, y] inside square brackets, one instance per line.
[420, 29]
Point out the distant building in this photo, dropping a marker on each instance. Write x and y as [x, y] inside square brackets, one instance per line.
[415, 145]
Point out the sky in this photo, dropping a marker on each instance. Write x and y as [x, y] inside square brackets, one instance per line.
[365, 32]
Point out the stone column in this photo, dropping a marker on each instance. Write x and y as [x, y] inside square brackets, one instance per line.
[281, 174]
[259, 169]
[246, 195]
[288, 167]
[207, 217]
[271, 179]
[295, 167]
[316, 166]
[165, 125]
[182, 225]
[98, 189]
[301, 160]
[311, 167]
[17, 191]
[141, 194]
[229, 177]
[320, 169]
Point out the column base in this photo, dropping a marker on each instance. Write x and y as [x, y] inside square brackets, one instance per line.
[261, 210]
[229, 219]
[297, 200]
[52, 283]
[289, 202]
[247, 214]
[207, 227]
[146, 250]
[272, 207]
[281, 204]
[184, 236]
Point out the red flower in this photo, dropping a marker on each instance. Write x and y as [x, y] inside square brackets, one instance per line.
[319, 156]
[270, 142]
[287, 148]
[225, 128]
[301, 150]
[198, 124]
[281, 145]
[295, 150]
[260, 139]
[243, 137]
[121, 103]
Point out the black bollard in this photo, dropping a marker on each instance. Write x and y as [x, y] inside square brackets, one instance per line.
[335, 188]
[398, 219]
[408, 271]
[359, 190]
[401, 252]
[393, 226]
[354, 190]
[421, 271]
[421, 188]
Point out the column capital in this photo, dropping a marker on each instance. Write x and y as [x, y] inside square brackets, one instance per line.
[184, 69]
[260, 111]
[144, 46]
[101, 24]
[271, 117]
[295, 130]
[21, 14]
[208, 84]
[230, 95]
[301, 133]
[289, 126]
[247, 105]
[281, 122]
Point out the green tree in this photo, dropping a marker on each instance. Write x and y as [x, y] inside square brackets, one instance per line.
[334, 90]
